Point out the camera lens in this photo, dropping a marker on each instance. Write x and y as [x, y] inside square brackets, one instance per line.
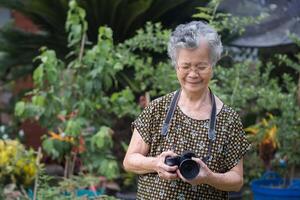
[171, 161]
[189, 169]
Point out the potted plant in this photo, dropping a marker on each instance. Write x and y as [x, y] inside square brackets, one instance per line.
[266, 135]
[279, 139]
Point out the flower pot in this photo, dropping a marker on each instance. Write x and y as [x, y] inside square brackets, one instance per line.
[79, 193]
[269, 188]
[89, 193]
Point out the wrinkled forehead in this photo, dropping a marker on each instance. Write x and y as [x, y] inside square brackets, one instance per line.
[194, 55]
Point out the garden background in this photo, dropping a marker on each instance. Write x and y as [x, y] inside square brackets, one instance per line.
[75, 74]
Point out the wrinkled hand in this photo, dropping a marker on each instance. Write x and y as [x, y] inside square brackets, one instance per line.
[164, 171]
[202, 177]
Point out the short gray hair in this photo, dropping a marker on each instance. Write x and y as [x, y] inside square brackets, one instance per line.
[188, 36]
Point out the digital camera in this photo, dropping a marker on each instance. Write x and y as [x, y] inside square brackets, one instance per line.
[187, 167]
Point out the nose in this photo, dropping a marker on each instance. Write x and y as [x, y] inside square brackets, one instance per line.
[193, 72]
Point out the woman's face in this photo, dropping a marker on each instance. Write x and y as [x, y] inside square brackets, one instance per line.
[194, 69]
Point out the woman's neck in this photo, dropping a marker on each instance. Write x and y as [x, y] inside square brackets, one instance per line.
[198, 98]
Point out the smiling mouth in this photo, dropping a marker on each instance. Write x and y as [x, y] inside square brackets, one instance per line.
[194, 82]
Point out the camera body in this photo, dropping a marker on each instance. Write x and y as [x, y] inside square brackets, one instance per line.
[187, 167]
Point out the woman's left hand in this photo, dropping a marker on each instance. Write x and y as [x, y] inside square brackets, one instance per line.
[203, 176]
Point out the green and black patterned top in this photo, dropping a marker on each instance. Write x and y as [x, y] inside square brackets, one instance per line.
[184, 134]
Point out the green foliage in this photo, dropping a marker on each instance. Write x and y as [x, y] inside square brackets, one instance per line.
[98, 154]
[20, 108]
[124, 17]
[49, 16]
[17, 164]
[56, 148]
[249, 87]
[47, 71]
[72, 100]
[78, 100]
[288, 61]
[252, 168]
[152, 38]
[76, 24]
[290, 109]
[138, 54]
[65, 189]
[225, 22]
[122, 101]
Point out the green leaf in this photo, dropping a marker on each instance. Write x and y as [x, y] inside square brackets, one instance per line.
[76, 24]
[19, 108]
[49, 148]
[74, 127]
[38, 76]
[118, 66]
[102, 139]
[38, 100]
[109, 168]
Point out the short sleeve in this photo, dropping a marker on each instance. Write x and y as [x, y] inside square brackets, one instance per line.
[237, 143]
[144, 123]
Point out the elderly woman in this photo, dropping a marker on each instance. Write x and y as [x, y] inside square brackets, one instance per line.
[190, 119]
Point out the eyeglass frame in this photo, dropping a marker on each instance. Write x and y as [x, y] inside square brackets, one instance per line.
[187, 68]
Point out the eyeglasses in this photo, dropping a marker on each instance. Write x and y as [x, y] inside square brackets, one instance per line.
[200, 68]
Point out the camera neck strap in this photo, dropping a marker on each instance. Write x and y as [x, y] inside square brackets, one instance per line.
[212, 120]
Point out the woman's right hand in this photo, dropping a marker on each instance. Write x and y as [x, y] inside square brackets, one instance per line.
[165, 171]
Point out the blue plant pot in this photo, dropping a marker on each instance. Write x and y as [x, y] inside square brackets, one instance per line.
[269, 188]
[89, 193]
[79, 193]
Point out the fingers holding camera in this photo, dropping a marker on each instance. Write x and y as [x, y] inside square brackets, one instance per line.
[204, 173]
[201, 178]
[181, 177]
[168, 175]
[164, 171]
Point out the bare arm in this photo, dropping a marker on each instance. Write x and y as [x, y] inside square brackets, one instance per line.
[136, 159]
[228, 181]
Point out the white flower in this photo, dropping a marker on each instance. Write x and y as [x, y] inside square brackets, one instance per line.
[21, 133]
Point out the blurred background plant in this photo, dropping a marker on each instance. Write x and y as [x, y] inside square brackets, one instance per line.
[264, 136]
[17, 165]
[69, 100]
[49, 17]
[69, 188]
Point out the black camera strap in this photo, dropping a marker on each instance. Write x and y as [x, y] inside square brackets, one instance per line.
[212, 126]
[212, 120]
[170, 113]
